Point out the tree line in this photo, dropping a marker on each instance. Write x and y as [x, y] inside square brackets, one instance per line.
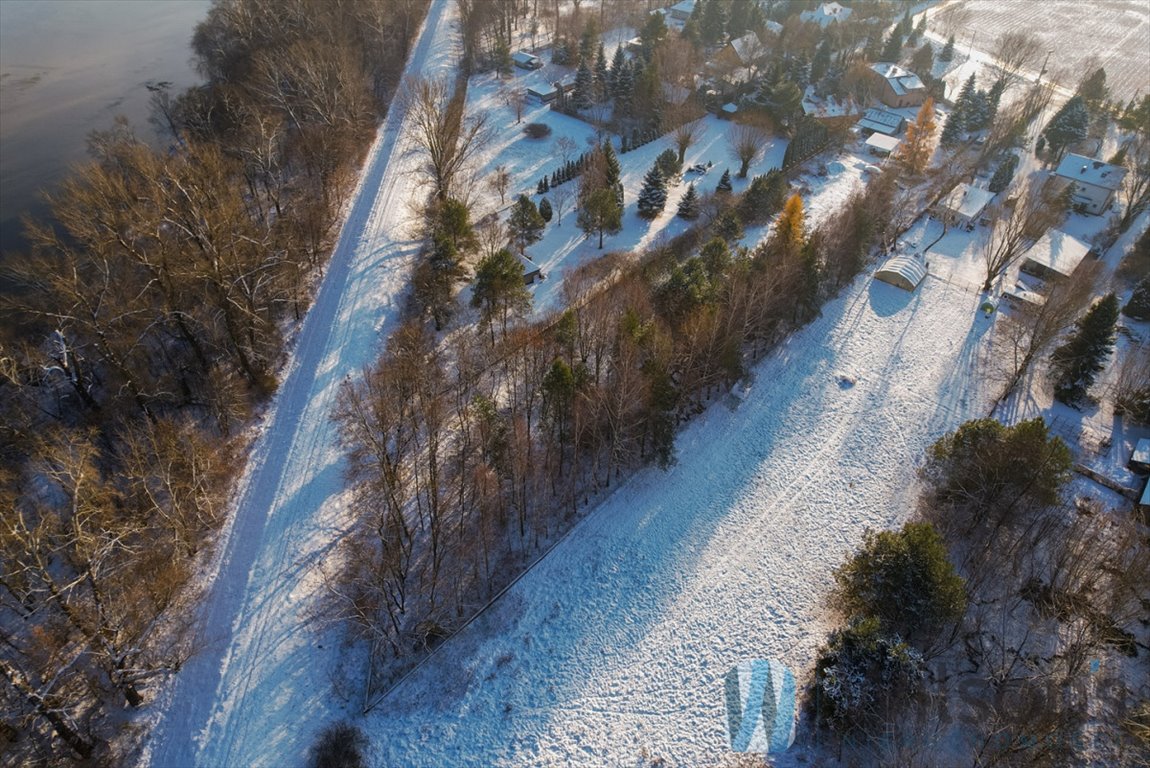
[468, 457]
[147, 323]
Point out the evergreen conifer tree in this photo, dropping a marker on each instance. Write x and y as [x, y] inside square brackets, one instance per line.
[618, 64]
[892, 50]
[1139, 305]
[724, 182]
[1068, 126]
[613, 175]
[584, 93]
[602, 75]
[689, 207]
[1075, 364]
[947, 52]
[525, 225]
[653, 197]
[545, 211]
[1003, 174]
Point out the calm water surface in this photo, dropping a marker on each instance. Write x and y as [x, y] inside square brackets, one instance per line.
[68, 67]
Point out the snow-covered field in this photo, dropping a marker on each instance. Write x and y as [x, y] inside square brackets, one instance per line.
[264, 671]
[617, 642]
[1114, 32]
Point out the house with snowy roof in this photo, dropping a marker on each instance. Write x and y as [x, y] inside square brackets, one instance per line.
[898, 87]
[743, 51]
[826, 14]
[1094, 181]
[682, 10]
[963, 206]
[1054, 255]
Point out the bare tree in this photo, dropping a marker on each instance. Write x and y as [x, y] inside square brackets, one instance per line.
[685, 136]
[1034, 211]
[561, 198]
[500, 180]
[1136, 183]
[448, 139]
[515, 98]
[1032, 328]
[747, 142]
[1013, 51]
[565, 147]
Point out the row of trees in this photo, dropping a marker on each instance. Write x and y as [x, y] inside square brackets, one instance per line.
[146, 323]
[464, 471]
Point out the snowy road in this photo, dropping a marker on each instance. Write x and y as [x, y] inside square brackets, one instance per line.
[247, 697]
[617, 643]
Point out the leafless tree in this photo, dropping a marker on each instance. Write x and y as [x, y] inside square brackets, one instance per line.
[1014, 51]
[685, 136]
[1136, 183]
[1034, 211]
[561, 198]
[515, 97]
[1032, 328]
[747, 143]
[565, 147]
[500, 180]
[448, 139]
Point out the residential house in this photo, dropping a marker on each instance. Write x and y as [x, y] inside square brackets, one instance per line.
[1095, 182]
[1054, 255]
[682, 10]
[531, 271]
[898, 87]
[525, 60]
[743, 51]
[881, 145]
[826, 14]
[963, 206]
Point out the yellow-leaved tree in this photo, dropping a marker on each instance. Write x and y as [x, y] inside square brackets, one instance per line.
[915, 151]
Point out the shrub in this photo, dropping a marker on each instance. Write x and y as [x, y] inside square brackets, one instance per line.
[668, 163]
[863, 677]
[340, 745]
[905, 580]
[537, 130]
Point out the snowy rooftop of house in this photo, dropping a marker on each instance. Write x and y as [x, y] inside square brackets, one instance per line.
[529, 266]
[826, 13]
[1090, 171]
[883, 142]
[773, 26]
[901, 81]
[684, 6]
[967, 201]
[881, 120]
[1058, 252]
[747, 47]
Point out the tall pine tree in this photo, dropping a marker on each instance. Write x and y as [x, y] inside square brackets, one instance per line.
[584, 93]
[1067, 127]
[1075, 364]
[653, 197]
[689, 204]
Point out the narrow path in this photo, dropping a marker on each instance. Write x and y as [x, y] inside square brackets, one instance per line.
[245, 698]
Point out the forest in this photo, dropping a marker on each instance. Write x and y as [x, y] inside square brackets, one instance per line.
[144, 331]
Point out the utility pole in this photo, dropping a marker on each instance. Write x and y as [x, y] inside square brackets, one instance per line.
[1042, 71]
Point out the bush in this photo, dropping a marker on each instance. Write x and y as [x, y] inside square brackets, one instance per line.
[537, 130]
[985, 464]
[340, 745]
[668, 163]
[863, 677]
[905, 580]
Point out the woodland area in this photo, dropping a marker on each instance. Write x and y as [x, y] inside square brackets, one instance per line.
[145, 329]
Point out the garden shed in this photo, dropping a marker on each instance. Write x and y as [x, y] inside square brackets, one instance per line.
[1054, 255]
[906, 272]
[1140, 460]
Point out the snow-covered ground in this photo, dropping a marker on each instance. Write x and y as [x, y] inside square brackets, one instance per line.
[564, 246]
[263, 669]
[616, 644]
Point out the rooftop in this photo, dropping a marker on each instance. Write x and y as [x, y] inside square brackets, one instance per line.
[883, 142]
[967, 201]
[1090, 171]
[1058, 252]
[901, 81]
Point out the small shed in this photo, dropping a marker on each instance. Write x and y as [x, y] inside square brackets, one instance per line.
[1140, 460]
[525, 60]
[964, 205]
[906, 272]
[545, 93]
[881, 145]
[1022, 298]
[531, 271]
[1054, 255]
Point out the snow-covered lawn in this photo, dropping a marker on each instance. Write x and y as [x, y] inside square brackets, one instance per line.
[261, 684]
[564, 246]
